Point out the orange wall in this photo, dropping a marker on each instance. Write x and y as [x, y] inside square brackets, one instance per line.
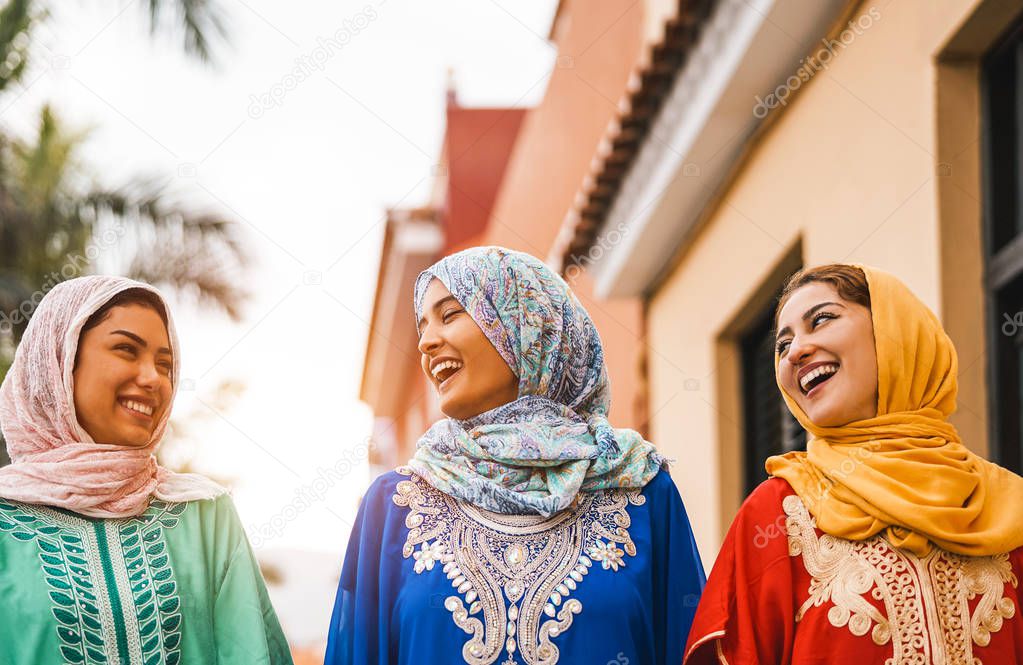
[477, 147]
[598, 46]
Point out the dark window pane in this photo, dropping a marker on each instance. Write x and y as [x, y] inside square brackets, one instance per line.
[1007, 404]
[1003, 226]
[769, 427]
[1003, 73]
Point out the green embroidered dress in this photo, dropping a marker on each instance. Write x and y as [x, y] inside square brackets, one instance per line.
[177, 584]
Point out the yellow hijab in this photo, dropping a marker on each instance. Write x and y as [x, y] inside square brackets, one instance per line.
[905, 471]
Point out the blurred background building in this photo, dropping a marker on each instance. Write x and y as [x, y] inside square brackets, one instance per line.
[680, 170]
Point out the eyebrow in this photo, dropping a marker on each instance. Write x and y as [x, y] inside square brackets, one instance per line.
[141, 342]
[436, 306]
[810, 312]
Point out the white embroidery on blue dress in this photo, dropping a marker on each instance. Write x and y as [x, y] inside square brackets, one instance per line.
[518, 571]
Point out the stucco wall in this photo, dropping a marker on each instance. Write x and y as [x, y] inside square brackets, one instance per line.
[849, 169]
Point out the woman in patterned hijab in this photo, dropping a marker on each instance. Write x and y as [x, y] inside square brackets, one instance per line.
[534, 453]
[524, 506]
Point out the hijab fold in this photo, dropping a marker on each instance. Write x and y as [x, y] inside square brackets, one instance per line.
[54, 460]
[536, 454]
[905, 472]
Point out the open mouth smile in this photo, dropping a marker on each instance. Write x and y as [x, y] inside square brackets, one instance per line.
[137, 409]
[815, 375]
[443, 371]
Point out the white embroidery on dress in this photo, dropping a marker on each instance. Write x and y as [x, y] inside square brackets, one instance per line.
[517, 571]
[926, 601]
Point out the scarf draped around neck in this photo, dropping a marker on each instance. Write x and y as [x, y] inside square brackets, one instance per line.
[535, 454]
[54, 460]
[905, 472]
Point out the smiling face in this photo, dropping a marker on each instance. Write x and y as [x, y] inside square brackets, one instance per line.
[827, 359]
[469, 374]
[122, 376]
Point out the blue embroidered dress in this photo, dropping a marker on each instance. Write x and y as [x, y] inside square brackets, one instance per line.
[614, 578]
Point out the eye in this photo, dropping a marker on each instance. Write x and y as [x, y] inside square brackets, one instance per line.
[125, 347]
[450, 313]
[822, 316]
[782, 346]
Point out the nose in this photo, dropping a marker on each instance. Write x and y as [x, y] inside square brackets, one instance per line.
[148, 376]
[429, 341]
[800, 348]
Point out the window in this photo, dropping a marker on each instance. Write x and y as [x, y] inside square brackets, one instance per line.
[769, 427]
[1003, 242]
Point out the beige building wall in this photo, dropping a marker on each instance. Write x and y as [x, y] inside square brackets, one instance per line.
[872, 161]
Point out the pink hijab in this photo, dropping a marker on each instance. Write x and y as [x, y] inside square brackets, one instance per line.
[54, 461]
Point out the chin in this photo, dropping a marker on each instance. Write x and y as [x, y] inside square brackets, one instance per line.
[828, 418]
[452, 410]
[133, 440]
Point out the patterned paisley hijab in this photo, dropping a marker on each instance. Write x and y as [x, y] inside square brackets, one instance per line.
[533, 455]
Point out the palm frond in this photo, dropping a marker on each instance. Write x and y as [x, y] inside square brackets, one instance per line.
[194, 253]
[15, 19]
[201, 21]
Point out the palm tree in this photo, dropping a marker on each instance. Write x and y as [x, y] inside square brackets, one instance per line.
[56, 222]
[199, 20]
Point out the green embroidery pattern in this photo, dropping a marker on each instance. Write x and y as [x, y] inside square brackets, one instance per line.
[67, 573]
[152, 583]
[146, 587]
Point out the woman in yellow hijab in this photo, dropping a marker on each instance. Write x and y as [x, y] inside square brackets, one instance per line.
[887, 541]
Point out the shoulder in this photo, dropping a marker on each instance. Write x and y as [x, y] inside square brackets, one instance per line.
[761, 519]
[218, 512]
[387, 483]
[661, 488]
[395, 490]
[661, 482]
[221, 504]
[385, 486]
[768, 497]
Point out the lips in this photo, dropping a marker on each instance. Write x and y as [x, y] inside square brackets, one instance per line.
[137, 407]
[444, 368]
[815, 375]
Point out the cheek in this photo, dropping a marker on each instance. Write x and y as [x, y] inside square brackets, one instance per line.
[91, 383]
[786, 376]
[866, 368]
[467, 341]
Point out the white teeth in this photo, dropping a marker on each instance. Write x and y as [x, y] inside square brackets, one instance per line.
[447, 364]
[136, 406]
[820, 371]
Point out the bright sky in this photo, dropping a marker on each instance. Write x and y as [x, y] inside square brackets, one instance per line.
[309, 177]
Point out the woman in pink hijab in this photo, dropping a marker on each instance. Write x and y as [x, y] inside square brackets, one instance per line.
[105, 556]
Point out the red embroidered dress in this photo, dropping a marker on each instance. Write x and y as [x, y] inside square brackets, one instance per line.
[781, 591]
